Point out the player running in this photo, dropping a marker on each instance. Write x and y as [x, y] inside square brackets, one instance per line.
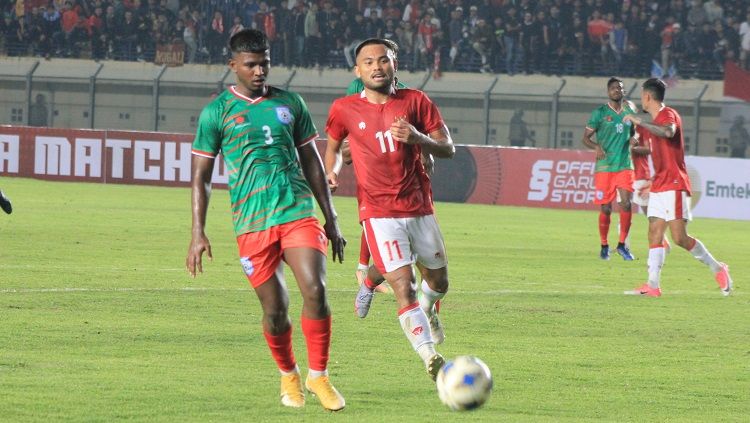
[260, 130]
[613, 176]
[669, 201]
[386, 129]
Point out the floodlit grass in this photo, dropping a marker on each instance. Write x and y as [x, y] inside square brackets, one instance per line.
[99, 321]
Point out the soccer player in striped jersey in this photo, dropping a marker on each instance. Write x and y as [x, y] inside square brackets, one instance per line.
[669, 201]
[260, 131]
[613, 175]
[387, 129]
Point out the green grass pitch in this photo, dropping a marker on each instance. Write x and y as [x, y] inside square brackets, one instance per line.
[99, 320]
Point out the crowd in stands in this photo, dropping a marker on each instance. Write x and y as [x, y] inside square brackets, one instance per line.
[691, 38]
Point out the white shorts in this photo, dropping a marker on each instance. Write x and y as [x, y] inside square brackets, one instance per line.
[641, 190]
[670, 205]
[398, 242]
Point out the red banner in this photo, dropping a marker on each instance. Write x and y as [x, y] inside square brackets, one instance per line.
[477, 174]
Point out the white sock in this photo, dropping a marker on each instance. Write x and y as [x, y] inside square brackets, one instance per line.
[364, 267]
[429, 297]
[295, 370]
[700, 252]
[655, 263]
[316, 373]
[416, 327]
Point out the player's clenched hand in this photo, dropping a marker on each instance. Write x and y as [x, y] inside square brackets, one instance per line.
[337, 240]
[403, 131]
[333, 181]
[194, 260]
[632, 118]
[600, 154]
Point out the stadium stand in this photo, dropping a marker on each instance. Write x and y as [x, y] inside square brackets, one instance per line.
[689, 38]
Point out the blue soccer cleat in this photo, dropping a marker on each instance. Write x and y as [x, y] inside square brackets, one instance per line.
[625, 253]
[604, 253]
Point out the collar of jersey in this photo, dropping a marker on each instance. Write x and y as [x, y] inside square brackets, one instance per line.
[234, 91]
[392, 93]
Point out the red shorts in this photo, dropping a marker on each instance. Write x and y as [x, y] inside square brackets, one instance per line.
[607, 184]
[261, 252]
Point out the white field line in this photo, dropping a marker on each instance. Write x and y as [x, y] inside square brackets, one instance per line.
[596, 290]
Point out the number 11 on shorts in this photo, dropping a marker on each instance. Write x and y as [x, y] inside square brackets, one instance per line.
[393, 245]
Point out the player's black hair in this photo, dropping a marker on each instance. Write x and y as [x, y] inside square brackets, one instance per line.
[391, 45]
[613, 80]
[656, 87]
[249, 41]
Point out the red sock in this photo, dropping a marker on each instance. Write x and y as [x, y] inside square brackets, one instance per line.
[281, 350]
[625, 219]
[364, 251]
[604, 227]
[370, 284]
[318, 337]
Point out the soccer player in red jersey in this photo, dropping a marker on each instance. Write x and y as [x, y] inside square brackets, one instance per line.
[388, 129]
[669, 201]
[266, 136]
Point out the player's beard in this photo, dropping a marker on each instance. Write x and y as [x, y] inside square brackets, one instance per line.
[383, 86]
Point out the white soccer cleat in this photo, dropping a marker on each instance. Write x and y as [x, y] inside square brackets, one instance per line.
[363, 300]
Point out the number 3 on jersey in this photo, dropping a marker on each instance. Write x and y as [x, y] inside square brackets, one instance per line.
[267, 133]
[382, 136]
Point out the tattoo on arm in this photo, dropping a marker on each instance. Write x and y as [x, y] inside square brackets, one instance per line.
[659, 130]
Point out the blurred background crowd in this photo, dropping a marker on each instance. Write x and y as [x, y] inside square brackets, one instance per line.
[686, 38]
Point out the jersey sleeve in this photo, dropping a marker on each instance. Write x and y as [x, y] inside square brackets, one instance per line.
[207, 142]
[335, 127]
[304, 128]
[430, 115]
[594, 120]
[355, 87]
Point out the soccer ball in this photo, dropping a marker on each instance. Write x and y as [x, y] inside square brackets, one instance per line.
[464, 383]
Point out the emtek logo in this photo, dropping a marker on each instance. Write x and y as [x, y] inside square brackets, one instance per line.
[727, 191]
[562, 181]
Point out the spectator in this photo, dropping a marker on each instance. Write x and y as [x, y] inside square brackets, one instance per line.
[456, 30]
[355, 35]
[518, 131]
[298, 25]
[14, 36]
[666, 41]
[598, 31]
[697, 15]
[426, 42]
[745, 42]
[373, 9]
[554, 40]
[412, 12]
[481, 42]
[498, 44]
[714, 11]
[312, 35]
[529, 34]
[38, 114]
[511, 40]
[707, 42]
[374, 26]
[739, 138]
[97, 35]
[618, 43]
[36, 34]
[215, 38]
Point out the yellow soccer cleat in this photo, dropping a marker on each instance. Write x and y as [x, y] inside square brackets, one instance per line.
[292, 394]
[329, 397]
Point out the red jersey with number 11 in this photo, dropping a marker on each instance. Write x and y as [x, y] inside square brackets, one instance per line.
[391, 181]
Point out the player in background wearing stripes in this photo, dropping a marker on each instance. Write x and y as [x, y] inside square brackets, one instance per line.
[669, 200]
[260, 130]
[388, 129]
[613, 175]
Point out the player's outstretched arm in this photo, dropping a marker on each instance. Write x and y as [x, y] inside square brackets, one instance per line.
[661, 131]
[333, 162]
[312, 167]
[438, 143]
[201, 191]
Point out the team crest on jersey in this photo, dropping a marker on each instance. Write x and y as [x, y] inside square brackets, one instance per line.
[247, 266]
[284, 115]
[239, 119]
[599, 195]
[362, 126]
[609, 118]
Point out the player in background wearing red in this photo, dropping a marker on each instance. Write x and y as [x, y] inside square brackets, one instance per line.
[388, 129]
[267, 139]
[641, 151]
[669, 201]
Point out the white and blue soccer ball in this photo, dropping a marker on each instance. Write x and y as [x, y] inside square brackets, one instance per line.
[464, 383]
